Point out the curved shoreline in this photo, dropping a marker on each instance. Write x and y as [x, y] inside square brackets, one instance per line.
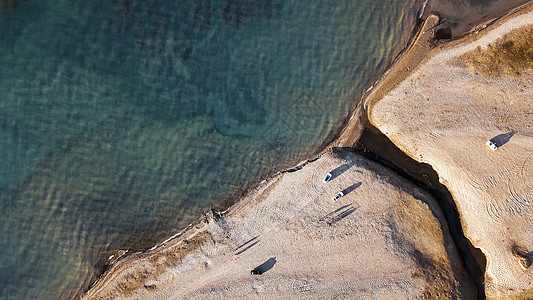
[414, 53]
[294, 221]
[346, 135]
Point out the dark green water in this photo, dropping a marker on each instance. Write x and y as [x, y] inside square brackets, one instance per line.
[118, 114]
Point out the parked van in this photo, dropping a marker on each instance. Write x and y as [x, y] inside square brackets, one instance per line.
[491, 145]
[328, 177]
[338, 196]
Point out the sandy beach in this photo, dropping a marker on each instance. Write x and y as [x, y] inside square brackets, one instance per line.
[385, 238]
[442, 114]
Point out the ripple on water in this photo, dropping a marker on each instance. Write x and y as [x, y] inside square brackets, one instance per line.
[121, 120]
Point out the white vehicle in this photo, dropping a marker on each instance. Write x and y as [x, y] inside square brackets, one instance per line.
[491, 145]
[338, 196]
[328, 177]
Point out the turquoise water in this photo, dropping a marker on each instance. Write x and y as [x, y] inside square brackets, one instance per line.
[120, 118]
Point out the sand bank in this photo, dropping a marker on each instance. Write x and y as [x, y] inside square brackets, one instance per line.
[442, 114]
[385, 238]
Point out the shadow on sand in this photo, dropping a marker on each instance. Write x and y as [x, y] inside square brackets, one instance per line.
[249, 243]
[340, 169]
[528, 259]
[267, 265]
[352, 187]
[502, 139]
[250, 246]
[337, 215]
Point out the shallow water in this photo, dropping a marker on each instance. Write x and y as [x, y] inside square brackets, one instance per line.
[118, 116]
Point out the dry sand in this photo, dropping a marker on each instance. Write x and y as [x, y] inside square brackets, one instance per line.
[384, 239]
[442, 114]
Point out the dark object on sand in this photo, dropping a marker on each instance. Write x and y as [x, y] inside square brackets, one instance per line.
[328, 177]
[264, 267]
[338, 196]
[443, 34]
[256, 272]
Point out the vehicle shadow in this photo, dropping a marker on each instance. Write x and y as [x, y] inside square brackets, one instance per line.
[352, 187]
[337, 215]
[341, 152]
[267, 265]
[339, 170]
[502, 139]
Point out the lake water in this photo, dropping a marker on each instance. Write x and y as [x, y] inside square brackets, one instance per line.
[120, 121]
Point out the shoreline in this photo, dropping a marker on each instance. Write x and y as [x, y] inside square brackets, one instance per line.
[233, 197]
[349, 131]
[300, 226]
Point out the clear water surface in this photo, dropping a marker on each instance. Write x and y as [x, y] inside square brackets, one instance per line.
[117, 117]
